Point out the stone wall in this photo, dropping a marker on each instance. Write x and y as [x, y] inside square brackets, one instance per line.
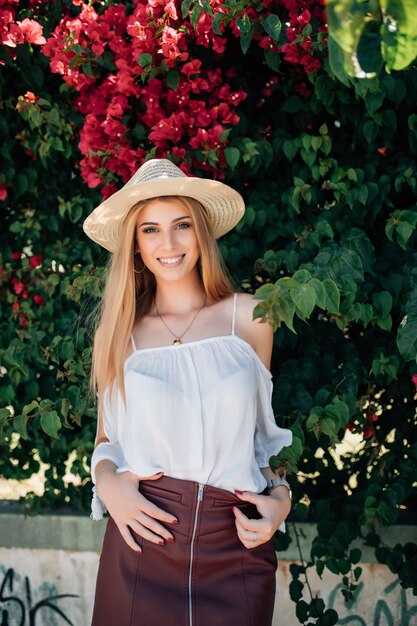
[48, 566]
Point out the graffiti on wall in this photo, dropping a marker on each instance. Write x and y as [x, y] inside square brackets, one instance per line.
[20, 606]
[391, 609]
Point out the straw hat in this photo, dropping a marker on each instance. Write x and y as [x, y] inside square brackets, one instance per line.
[156, 178]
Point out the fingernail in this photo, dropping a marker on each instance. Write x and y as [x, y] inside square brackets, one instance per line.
[161, 543]
[239, 493]
[138, 550]
[175, 521]
[171, 539]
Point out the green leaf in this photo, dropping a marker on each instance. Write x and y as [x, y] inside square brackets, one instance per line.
[285, 310]
[347, 22]
[290, 149]
[145, 61]
[272, 26]
[320, 292]
[355, 555]
[332, 296]
[196, 13]
[399, 39]
[247, 30]
[305, 300]
[300, 276]
[264, 292]
[273, 59]
[28, 408]
[296, 590]
[50, 423]
[185, 8]
[218, 20]
[382, 301]
[232, 156]
[173, 79]
[407, 338]
[346, 269]
[20, 426]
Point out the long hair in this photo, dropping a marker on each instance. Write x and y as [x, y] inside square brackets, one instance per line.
[128, 295]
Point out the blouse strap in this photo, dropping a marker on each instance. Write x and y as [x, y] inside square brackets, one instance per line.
[133, 342]
[234, 312]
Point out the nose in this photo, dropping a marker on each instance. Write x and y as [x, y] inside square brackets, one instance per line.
[168, 240]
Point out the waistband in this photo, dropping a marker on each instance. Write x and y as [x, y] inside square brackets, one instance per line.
[190, 488]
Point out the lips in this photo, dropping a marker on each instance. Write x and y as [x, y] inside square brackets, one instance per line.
[170, 261]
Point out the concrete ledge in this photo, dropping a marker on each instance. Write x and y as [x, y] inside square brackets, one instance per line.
[79, 533]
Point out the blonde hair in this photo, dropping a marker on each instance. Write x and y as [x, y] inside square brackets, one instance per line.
[128, 296]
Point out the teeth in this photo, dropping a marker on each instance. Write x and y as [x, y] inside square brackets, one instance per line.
[171, 261]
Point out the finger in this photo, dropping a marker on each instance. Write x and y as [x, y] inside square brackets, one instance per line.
[246, 522]
[246, 538]
[246, 534]
[154, 476]
[127, 536]
[249, 496]
[154, 511]
[146, 533]
[154, 526]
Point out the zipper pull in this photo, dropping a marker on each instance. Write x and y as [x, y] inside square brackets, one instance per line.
[200, 491]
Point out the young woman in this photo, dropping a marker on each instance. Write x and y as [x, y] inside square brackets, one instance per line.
[185, 425]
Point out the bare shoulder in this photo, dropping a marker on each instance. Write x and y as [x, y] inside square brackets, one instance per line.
[258, 334]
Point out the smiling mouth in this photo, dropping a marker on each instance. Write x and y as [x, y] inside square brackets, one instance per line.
[173, 260]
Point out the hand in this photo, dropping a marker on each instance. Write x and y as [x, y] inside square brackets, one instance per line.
[128, 507]
[274, 509]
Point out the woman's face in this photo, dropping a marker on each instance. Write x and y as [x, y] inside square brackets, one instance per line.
[166, 239]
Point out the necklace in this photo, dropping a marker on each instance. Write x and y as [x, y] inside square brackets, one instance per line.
[177, 338]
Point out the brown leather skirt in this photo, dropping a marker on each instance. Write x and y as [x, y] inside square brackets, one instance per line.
[206, 577]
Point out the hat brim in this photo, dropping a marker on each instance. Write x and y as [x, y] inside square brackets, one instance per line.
[224, 206]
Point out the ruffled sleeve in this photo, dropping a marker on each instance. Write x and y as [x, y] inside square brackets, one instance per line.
[269, 438]
[110, 450]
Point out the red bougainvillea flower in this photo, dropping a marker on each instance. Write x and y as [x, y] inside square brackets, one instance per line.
[16, 255]
[18, 286]
[39, 300]
[35, 260]
[414, 380]
[149, 94]
[30, 97]
[368, 432]
[372, 418]
[23, 320]
[3, 191]
[32, 31]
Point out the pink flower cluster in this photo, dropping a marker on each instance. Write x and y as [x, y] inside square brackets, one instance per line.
[14, 32]
[130, 107]
[22, 288]
[141, 87]
[300, 47]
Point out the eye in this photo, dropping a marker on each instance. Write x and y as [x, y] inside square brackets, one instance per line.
[149, 229]
[183, 225]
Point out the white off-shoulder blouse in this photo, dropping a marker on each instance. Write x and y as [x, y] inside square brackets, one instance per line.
[198, 411]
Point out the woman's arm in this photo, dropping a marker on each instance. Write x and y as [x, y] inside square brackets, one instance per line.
[275, 507]
[119, 493]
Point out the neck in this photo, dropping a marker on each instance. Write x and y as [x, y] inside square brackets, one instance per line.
[179, 297]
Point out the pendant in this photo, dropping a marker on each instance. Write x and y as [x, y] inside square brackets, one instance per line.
[177, 341]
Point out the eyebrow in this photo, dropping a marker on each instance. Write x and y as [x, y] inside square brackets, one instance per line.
[177, 219]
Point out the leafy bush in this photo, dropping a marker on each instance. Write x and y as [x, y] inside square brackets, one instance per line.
[242, 91]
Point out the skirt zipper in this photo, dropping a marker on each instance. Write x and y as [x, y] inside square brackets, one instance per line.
[190, 571]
